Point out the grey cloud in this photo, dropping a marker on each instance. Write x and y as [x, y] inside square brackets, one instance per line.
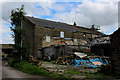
[90, 13]
[8, 6]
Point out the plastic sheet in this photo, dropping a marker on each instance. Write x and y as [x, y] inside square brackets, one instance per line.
[90, 62]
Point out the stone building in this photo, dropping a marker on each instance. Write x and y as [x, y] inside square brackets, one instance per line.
[115, 43]
[40, 33]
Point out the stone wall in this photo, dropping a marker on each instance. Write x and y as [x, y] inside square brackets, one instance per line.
[42, 32]
[29, 36]
[115, 42]
[52, 42]
[54, 51]
[36, 36]
[102, 49]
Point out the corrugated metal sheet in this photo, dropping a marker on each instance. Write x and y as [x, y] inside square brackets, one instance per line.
[81, 55]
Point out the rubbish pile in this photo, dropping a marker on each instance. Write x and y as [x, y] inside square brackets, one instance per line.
[34, 60]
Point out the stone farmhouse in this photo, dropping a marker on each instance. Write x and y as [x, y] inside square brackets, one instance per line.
[40, 33]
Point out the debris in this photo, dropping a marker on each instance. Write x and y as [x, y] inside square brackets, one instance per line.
[65, 60]
[34, 60]
[47, 58]
[81, 55]
[40, 63]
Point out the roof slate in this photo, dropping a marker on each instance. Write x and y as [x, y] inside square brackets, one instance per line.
[51, 24]
[57, 25]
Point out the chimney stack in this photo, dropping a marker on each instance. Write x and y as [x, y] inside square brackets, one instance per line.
[93, 27]
[74, 24]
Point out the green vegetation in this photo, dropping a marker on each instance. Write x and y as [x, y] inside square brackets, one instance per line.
[28, 68]
[72, 72]
[32, 69]
[56, 75]
[17, 17]
[35, 70]
[90, 75]
[11, 61]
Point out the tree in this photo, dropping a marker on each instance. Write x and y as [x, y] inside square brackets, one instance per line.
[17, 17]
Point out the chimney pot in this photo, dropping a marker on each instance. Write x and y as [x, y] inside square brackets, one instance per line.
[74, 24]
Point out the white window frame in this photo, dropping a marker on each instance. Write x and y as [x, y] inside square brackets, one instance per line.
[62, 34]
[47, 38]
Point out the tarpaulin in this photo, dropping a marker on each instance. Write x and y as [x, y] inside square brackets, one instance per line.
[97, 63]
[92, 63]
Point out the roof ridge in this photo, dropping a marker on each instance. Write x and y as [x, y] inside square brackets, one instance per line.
[49, 20]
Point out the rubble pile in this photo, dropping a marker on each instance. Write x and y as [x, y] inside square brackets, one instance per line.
[34, 60]
[82, 60]
[65, 60]
[77, 59]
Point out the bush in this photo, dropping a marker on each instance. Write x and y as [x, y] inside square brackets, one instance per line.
[11, 62]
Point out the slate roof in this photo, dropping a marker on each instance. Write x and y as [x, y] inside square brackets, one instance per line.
[51, 24]
[56, 25]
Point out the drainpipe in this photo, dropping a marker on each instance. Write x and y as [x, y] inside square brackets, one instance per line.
[21, 40]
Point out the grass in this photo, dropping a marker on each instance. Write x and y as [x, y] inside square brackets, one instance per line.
[90, 75]
[72, 72]
[56, 75]
[32, 69]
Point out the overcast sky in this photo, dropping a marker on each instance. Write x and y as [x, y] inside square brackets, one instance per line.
[103, 13]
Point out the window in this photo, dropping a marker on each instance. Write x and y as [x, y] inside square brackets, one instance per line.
[47, 38]
[75, 41]
[62, 34]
